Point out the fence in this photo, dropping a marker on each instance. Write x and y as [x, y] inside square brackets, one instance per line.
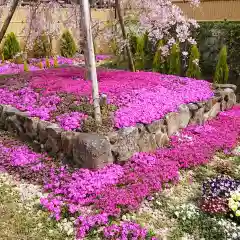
[209, 10]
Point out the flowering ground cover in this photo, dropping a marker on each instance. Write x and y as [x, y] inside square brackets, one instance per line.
[12, 68]
[176, 212]
[140, 97]
[102, 197]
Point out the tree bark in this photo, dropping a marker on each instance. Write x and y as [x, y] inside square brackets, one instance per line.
[84, 42]
[8, 19]
[91, 64]
[128, 50]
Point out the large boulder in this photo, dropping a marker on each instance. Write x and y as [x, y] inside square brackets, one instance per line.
[42, 131]
[156, 126]
[53, 143]
[184, 115]
[13, 125]
[230, 98]
[173, 123]
[224, 86]
[198, 116]
[91, 151]
[6, 111]
[146, 142]
[126, 143]
[31, 127]
[216, 108]
[67, 139]
[161, 139]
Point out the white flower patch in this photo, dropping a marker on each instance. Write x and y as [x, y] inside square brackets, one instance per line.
[184, 137]
[29, 196]
[236, 151]
[230, 228]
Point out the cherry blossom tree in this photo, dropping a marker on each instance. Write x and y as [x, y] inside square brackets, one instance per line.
[161, 19]
[124, 35]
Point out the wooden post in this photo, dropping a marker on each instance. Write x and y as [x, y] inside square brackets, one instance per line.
[91, 64]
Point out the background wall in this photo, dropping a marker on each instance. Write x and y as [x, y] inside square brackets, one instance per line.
[210, 10]
[19, 22]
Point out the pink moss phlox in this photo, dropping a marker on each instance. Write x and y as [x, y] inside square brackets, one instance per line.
[26, 99]
[124, 230]
[98, 195]
[12, 68]
[141, 96]
[71, 121]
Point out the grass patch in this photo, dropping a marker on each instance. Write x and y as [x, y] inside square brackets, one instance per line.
[18, 223]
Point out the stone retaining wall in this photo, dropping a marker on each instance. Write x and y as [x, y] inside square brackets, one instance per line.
[90, 150]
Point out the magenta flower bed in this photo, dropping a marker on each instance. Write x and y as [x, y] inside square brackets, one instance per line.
[26, 99]
[95, 196]
[71, 121]
[141, 97]
[12, 68]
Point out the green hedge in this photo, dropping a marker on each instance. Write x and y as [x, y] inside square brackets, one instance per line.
[211, 36]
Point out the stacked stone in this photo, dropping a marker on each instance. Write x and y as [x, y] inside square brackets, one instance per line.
[90, 150]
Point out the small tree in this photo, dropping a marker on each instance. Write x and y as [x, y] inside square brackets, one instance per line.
[55, 62]
[174, 60]
[222, 70]
[42, 46]
[139, 55]
[2, 56]
[194, 70]
[40, 65]
[133, 43]
[159, 64]
[11, 46]
[67, 45]
[25, 67]
[48, 65]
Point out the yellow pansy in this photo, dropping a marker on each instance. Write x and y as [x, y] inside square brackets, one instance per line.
[238, 213]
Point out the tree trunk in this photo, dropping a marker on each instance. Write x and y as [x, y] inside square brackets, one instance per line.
[8, 19]
[91, 64]
[83, 31]
[128, 50]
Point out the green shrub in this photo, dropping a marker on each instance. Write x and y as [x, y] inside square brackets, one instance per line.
[48, 65]
[55, 62]
[11, 46]
[174, 60]
[67, 45]
[25, 66]
[159, 64]
[142, 49]
[149, 47]
[211, 36]
[42, 47]
[194, 70]
[222, 70]
[133, 43]
[139, 55]
[40, 65]
[113, 46]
